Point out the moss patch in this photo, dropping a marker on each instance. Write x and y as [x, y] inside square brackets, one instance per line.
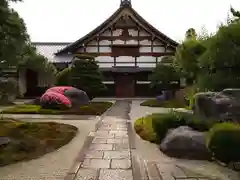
[165, 104]
[94, 108]
[143, 127]
[30, 140]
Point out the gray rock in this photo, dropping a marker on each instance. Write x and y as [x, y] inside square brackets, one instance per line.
[224, 105]
[184, 142]
[4, 141]
[77, 97]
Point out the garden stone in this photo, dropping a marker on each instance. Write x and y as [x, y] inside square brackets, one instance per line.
[224, 105]
[184, 142]
[4, 141]
[77, 97]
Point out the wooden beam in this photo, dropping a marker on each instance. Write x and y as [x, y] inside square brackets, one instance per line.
[154, 54]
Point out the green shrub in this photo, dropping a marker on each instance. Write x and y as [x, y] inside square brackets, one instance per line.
[63, 77]
[9, 87]
[164, 122]
[223, 141]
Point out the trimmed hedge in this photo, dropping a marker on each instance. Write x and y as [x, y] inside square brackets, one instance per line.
[154, 127]
[143, 127]
[94, 108]
[223, 141]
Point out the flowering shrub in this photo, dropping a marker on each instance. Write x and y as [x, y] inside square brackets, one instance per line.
[54, 100]
[59, 89]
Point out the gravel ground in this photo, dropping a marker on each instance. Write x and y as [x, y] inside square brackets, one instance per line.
[52, 166]
[151, 152]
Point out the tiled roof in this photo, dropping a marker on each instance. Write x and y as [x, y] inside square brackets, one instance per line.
[48, 49]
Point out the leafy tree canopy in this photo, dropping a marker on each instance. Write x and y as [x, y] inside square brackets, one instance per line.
[13, 35]
[163, 76]
[187, 55]
[85, 75]
[221, 62]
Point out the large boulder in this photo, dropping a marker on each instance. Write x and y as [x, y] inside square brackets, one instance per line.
[59, 89]
[77, 97]
[53, 100]
[224, 105]
[184, 142]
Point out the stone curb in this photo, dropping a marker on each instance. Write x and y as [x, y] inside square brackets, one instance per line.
[80, 157]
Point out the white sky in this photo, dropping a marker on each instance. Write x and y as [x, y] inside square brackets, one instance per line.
[69, 20]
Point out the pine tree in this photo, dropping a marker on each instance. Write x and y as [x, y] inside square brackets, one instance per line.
[86, 76]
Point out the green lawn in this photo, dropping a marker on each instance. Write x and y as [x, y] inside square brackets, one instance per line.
[30, 140]
[166, 104]
[94, 108]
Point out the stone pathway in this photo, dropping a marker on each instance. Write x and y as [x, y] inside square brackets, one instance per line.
[110, 154]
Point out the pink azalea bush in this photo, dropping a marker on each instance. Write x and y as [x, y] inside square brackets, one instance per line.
[59, 89]
[54, 100]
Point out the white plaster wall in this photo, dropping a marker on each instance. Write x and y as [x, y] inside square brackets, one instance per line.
[104, 42]
[144, 33]
[118, 41]
[146, 59]
[106, 65]
[106, 33]
[22, 81]
[145, 49]
[125, 64]
[105, 49]
[132, 42]
[117, 32]
[104, 59]
[133, 32]
[145, 42]
[158, 49]
[147, 65]
[92, 49]
[129, 59]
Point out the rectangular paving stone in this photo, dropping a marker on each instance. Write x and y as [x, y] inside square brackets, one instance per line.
[101, 133]
[94, 154]
[152, 171]
[87, 174]
[116, 155]
[120, 164]
[120, 147]
[96, 163]
[178, 173]
[115, 141]
[165, 171]
[115, 174]
[99, 140]
[101, 147]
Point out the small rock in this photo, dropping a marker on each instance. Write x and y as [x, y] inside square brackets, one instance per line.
[4, 141]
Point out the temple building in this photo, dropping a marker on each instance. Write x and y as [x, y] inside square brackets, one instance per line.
[126, 47]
